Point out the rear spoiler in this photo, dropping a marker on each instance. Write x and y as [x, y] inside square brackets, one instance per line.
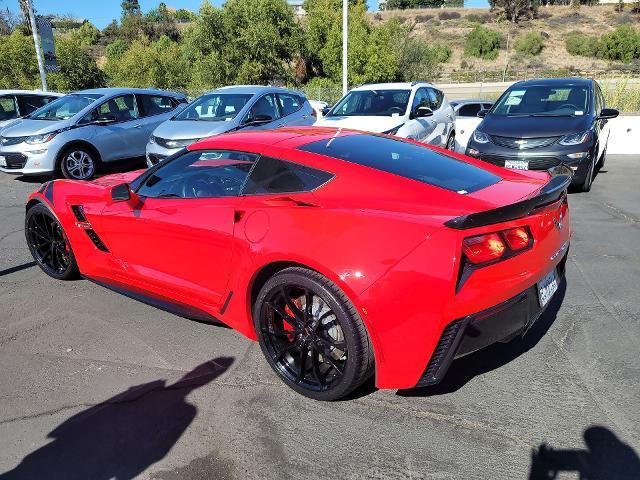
[550, 193]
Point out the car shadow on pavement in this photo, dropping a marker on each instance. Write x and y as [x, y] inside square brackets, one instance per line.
[17, 268]
[121, 437]
[605, 458]
[494, 356]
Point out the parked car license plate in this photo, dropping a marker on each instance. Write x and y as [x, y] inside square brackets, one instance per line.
[517, 164]
[3, 161]
[547, 287]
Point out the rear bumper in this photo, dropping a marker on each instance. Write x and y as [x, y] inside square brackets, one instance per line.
[500, 323]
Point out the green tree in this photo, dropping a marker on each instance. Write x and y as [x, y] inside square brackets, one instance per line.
[130, 8]
[18, 68]
[78, 70]
[483, 43]
[86, 35]
[515, 9]
[623, 44]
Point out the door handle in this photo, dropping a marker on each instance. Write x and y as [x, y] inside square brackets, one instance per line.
[281, 125]
[137, 126]
[286, 202]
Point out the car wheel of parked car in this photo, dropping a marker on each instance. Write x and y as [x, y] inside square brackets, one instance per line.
[311, 334]
[586, 186]
[603, 158]
[49, 244]
[78, 164]
[451, 142]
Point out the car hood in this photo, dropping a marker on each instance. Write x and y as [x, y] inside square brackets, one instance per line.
[533, 127]
[368, 124]
[185, 129]
[27, 127]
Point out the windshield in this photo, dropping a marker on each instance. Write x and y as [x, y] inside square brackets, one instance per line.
[65, 107]
[215, 107]
[537, 100]
[377, 103]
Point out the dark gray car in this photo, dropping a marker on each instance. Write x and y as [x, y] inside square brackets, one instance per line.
[540, 124]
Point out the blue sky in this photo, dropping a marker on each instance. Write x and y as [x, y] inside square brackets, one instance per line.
[101, 12]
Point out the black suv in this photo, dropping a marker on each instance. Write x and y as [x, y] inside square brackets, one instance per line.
[539, 124]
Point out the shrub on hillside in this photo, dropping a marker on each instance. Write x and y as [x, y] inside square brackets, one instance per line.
[448, 15]
[578, 43]
[423, 18]
[483, 43]
[623, 44]
[474, 18]
[530, 44]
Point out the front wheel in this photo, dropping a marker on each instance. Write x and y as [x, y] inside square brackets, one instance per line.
[588, 181]
[451, 142]
[49, 244]
[311, 334]
[78, 163]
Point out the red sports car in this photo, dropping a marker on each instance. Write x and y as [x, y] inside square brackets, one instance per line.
[343, 253]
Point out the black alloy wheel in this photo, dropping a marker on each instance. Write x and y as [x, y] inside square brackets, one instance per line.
[49, 244]
[311, 335]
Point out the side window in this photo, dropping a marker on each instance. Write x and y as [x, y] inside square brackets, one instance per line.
[30, 103]
[120, 109]
[151, 105]
[8, 109]
[420, 99]
[265, 106]
[487, 106]
[289, 103]
[271, 175]
[435, 98]
[469, 110]
[200, 174]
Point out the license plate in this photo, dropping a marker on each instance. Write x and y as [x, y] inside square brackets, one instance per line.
[517, 164]
[547, 287]
[3, 161]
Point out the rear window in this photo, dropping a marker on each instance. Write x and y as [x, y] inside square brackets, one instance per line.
[407, 160]
[271, 175]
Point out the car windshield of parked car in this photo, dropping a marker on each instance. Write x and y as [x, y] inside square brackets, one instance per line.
[376, 103]
[538, 100]
[215, 107]
[407, 160]
[65, 107]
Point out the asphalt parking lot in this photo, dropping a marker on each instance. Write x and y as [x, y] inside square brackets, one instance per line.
[94, 385]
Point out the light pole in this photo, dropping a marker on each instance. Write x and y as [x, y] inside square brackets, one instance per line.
[36, 41]
[345, 45]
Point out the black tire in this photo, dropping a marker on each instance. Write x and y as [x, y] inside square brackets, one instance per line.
[78, 163]
[49, 244]
[588, 181]
[603, 158]
[451, 142]
[337, 357]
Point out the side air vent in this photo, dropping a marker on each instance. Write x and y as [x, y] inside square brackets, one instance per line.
[96, 240]
[443, 354]
[78, 211]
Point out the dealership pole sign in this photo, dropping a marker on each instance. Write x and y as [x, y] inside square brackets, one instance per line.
[48, 45]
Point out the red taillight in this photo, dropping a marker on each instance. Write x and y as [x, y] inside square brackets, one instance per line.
[517, 238]
[493, 246]
[483, 248]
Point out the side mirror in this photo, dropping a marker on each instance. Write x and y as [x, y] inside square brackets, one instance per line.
[121, 193]
[422, 112]
[104, 120]
[325, 110]
[608, 113]
[482, 113]
[260, 119]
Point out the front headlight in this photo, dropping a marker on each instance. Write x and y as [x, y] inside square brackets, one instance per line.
[42, 138]
[181, 143]
[480, 137]
[394, 130]
[576, 138]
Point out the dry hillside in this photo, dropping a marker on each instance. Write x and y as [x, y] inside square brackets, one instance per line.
[554, 22]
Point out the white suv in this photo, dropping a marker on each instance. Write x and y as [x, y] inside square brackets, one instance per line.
[414, 110]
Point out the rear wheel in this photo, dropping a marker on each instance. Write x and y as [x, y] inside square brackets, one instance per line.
[78, 163]
[311, 334]
[49, 244]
